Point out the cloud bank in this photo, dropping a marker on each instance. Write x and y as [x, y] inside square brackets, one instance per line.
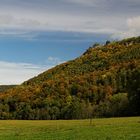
[16, 73]
[132, 29]
[118, 18]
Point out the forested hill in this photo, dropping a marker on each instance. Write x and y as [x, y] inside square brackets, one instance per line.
[103, 82]
[6, 87]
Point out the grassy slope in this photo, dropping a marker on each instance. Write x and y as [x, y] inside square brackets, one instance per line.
[101, 129]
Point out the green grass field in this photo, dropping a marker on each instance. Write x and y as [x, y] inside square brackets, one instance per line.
[101, 129]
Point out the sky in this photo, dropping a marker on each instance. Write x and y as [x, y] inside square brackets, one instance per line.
[36, 35]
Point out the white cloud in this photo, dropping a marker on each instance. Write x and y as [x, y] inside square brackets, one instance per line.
[20, 21]
[16, 73]
[132, 28]
[53, 61]
[134, 23]
[83, 2]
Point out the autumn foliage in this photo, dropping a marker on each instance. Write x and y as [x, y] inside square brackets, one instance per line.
[103, 82]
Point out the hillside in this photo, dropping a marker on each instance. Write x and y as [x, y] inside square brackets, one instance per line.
[103, 82]
[6, 87]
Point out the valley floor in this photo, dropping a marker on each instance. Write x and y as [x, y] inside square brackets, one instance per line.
[127, 128]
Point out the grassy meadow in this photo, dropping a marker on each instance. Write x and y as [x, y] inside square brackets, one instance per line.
[100, 129]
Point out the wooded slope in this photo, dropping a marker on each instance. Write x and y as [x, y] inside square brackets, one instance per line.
[103, 82]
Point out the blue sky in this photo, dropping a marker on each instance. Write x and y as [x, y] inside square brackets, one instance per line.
[62, 45]
[36, 35]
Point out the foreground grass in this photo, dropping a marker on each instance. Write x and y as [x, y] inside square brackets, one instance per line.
[101, 129]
